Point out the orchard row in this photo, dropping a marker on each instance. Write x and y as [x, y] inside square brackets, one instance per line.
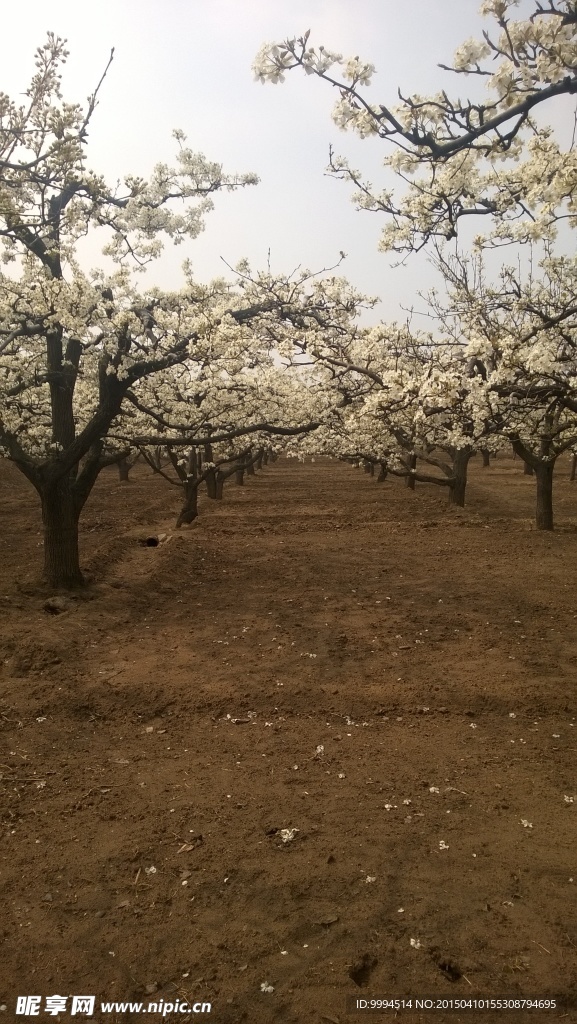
[95, 368]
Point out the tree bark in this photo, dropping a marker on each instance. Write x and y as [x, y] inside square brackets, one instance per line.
[193, 467]
[190, 484]
[60, 516]
[239, 477]
[486, 458]
[223, 474]
[383, 472]
[211, 483]
[543, 466]
[410, 479]
[544, 514]
[573, 469]
[189, 510]
[124, 467]
[157, 457]
[458, 484]
[527, 469]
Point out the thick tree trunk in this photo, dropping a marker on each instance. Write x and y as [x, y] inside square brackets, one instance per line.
[124, 467]
[410, 479]
[486, 458]
[220, 478]
[458, 484]
[383, 472]
[60, 515]
[250, 469]
[211, 484]
[193, 467]
[259, 461]
[544, 514]
[208, 453]
[543, 466]
[239, 477]
[189, 510]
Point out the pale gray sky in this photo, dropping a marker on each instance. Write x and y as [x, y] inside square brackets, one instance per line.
[187, 64]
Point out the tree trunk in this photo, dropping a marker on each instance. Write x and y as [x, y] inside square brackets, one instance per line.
[527, 469]
[239, 477]
[265, 458]
[189, 510]
[211, 483]
[124, 467]
[383, 472]
[157, 457]
[573, 468]
[410, 479]
[220, 478]
[544, 514]
[458, 483]
[250, 468]
[486, 459]
[193, 467]
[60, 515]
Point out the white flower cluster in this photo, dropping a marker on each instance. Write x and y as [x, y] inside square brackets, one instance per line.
[91, 364]
[450, 153]
[273, 60]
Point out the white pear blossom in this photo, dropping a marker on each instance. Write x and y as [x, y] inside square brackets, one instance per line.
[460, 158]
[94, 366]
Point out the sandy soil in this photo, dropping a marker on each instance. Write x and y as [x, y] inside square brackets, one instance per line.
[322, 741]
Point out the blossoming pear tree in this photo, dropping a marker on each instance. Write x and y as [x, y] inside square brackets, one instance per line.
[492, 160]
[459, 159]
[405, 397]
[219, 421]
[522, 348]
[75, 346]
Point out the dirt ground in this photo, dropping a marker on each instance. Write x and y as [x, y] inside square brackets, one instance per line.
[320, 744]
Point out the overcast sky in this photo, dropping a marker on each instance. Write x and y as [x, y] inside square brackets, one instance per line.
[187, 64]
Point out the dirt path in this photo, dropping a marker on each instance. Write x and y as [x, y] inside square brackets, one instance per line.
[324, 740]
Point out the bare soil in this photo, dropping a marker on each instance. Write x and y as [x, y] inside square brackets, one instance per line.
[323, 739]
